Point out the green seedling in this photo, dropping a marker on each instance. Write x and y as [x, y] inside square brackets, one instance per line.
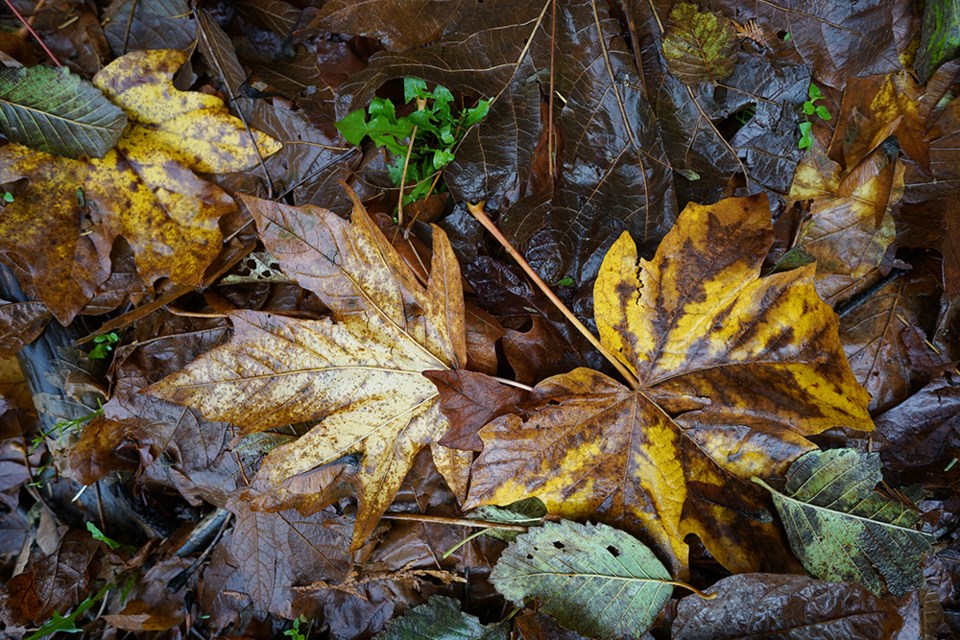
[7, 197]
[810, 107]
[103, 345]
[64, 427]
[422, 143]
[294, 633]
[68, 623]
[102, 537]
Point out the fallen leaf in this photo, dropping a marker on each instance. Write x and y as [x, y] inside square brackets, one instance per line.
[593, 579]
[923, 430]
[400, 25]
[20, 324]
[470, 400]
[939, 36]
[160, 24]
[58, 233]
[851, 225]
[699, 45]
[360, 374]
[842, 529]
[56, 112]
[734, 372]
[785, 607]
[441, 618]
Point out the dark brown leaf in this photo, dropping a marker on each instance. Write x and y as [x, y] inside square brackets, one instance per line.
[786, 607]
[20, 324]
[924, 429]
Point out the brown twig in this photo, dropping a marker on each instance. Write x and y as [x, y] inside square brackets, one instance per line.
[36, 36]
[421, 104]
[476, 210]
[463, 522]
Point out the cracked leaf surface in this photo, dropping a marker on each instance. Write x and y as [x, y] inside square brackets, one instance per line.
[734, 372]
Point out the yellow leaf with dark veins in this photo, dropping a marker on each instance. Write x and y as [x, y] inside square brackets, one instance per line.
[734, 370]
[358, 375]
[58, 232]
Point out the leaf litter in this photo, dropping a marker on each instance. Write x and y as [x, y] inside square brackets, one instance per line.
[723, 251]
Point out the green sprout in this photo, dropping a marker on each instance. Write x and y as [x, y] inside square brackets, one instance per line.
[103, 345]
[422, 142]
[811, 108]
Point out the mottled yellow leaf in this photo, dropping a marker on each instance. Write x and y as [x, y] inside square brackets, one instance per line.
[58, 232]
[734, 372]
[359, 374]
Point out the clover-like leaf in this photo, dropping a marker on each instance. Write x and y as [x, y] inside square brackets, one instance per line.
[842, 529]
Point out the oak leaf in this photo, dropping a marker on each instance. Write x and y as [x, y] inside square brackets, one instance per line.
[58, 232]
[359, 373]
[734, 372]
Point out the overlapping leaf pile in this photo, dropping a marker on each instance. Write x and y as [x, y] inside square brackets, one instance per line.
[302, 417]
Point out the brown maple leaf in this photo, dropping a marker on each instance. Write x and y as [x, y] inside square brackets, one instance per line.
[359, 373]
[733, 371]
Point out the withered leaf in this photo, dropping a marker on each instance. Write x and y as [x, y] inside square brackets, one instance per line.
[851, 225]
[699, 45]
[786, 607]
[160, 24]
[59, 231]
[20, 324]
[924, 429]
[359, 373]
[734, 372]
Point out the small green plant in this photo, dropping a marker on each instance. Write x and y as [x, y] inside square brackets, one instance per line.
[64, 427]
[810, 108]
[7, 197]
[422, 142]
[101, 536]
[103, 345]
[68, 623]
[294, 633]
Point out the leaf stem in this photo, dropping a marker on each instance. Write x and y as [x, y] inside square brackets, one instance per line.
[476, 209]
[684, 585]
[36, 36]
[462, 522]
[421, 105]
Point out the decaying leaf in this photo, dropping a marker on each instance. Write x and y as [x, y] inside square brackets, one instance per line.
[441, 618]
[699, 45]
[20, 324]
[159, 24]
[842, 529]
[734, 372]
[785, 607]
[59, 231]
[593, 579]
[924, 429]
[851, 225]
[359, 374]
[57, 112]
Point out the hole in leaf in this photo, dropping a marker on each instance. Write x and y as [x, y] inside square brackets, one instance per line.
[729, 126]
[529, 556]
[613, 551]
[557, 544]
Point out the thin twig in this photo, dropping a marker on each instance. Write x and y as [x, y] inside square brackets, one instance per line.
[553, 48]
[421, 105]
[36, 36]
[462, 522]
[477, 211]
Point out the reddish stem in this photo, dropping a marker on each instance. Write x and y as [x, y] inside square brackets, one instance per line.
[29, 28]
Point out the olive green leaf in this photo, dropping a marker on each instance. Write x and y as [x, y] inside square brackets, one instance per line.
[52, 110]
[441, 619]
[594, 579]
[842, 529]
[699, 45]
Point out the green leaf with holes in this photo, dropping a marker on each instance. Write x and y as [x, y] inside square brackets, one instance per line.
[55, 111]
[842, 529]
[592, 578]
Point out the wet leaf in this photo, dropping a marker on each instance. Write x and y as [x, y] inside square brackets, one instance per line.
[785, 607]
[529, 512]
[399, 25]
[939, 36]
[593, 579]
[699, 45]
[851, 225]
[924, 429]
[20, 324]
[359, 374]
[159, 24]
[57, 112]
[58, 233]
[842, 529]
[441, 619]
[734, 372]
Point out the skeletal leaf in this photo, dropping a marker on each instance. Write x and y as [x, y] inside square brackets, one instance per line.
[842, 529]
[592, 578]
[734, 372]
[57, 112]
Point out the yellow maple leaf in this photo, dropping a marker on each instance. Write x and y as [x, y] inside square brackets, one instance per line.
[359, 374]
[733, 372]
[59, 231]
